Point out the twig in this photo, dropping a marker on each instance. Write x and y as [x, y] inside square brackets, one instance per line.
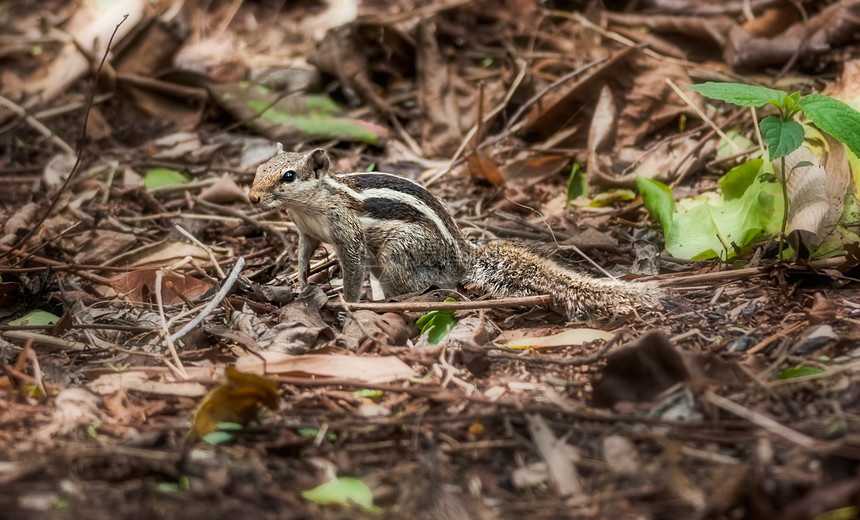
[177, 368]
[37, 125]
[220, 295]
[793, 436]
[702, 115]
[244, 218]
[524, 301]
[206, 248]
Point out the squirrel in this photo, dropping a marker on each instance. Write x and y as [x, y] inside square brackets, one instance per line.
[402, 233]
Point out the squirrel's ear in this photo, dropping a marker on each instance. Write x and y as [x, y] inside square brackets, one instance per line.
[319, 162]
[280, 148]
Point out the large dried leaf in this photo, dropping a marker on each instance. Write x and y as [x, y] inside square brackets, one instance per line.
[297, 117]
[375, 369]
[815, 193]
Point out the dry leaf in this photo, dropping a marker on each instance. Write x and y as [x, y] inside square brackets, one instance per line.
[237, 400]
[376, 369]
[139, 286]
[570, 337]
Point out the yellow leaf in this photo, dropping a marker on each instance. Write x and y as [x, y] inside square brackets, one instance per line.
[236, 400]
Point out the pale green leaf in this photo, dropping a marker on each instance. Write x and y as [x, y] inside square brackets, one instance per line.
[36, 318]
[342, 491]
[739, 93]
[736, 181]
[158, 177]
[798, 371]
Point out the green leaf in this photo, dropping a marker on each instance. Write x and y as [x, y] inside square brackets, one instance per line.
[658, 201]
[799, 371]
[158, 177]
[225, 432]
[438, 323]
[369, 393]
[834, 117]
[711, 226]
[343, 491]
[736, 181]
[577, 184]
[739, 93]
[605, 198]
[781, 137]
[36, 318]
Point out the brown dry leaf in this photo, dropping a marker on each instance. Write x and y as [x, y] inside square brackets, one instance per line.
[833, 26]
[528, 169]
[159, 254]
[237, 399]
[482, 167]
[139, 286]
[816, 193]
[446, 116]
[97, 245]
[19, 221]
[772, 21]
[569, 337]
[389, 328]
[621, 455]
[558, 455]
[73, 407]
[376, 369]
[823, 310]
[225, 191]
[847, 87]
[150, 54]
[340, 55]
[151, 380]
[649, 105]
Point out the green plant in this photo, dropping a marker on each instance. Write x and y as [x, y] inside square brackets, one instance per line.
[438, 323]
[781, 134]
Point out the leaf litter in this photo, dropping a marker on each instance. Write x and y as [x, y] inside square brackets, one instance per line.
[738, 401]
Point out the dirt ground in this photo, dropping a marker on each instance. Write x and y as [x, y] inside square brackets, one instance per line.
[126, 218]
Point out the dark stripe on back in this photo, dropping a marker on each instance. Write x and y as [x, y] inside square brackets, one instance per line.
[371, 180]
[385, 209]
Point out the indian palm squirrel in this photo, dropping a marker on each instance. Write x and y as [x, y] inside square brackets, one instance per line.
[403, 234]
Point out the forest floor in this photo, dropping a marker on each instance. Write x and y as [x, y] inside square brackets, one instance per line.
[126, 217]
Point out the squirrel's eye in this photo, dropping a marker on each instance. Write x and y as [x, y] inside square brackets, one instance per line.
[289, 176]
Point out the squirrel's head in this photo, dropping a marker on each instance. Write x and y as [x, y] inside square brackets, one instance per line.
[289, 178]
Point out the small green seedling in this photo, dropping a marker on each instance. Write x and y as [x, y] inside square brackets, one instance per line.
[439, 323]
[781, 133]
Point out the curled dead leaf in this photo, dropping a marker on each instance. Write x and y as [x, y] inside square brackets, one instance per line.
[237, 399]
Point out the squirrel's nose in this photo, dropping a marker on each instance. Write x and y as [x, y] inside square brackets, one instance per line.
[254, 197]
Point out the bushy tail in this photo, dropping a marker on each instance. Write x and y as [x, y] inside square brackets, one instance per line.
[507, 269]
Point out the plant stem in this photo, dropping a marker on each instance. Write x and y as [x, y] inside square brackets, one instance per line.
[784, 181]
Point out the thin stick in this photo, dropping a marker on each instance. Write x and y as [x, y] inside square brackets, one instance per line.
[701, 114]
[178, 369]
[763, 421]
[524, 301]
[206, 248]
[216, 300]
[37, 125]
